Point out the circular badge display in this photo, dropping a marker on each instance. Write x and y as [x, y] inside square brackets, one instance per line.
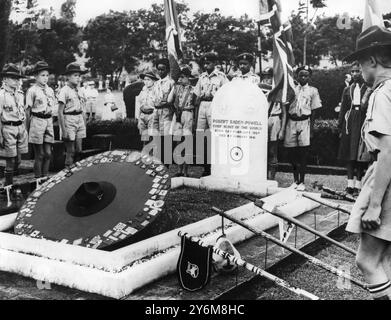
[135, 196]
[237, 154]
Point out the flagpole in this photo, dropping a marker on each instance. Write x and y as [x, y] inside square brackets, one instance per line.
[260, 47]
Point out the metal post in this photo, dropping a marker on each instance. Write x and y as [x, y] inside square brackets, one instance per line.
[305, 36]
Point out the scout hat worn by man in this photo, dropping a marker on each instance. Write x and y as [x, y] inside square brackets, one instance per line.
[11, 70]
[304, 68]
[373, 37]
[186, 71]
[74, 68]
[41, 66]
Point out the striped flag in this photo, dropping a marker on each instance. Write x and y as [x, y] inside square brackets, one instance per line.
[173, 38]
[283, 58]
[373, 15]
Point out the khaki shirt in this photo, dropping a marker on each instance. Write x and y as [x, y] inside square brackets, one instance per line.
[378, 118]
[41, 99]
[146, 99]
[306, 100]
[11, 105]
[162, 89]
[72, 98]
[249, 76]
[209, 84]
[183, 97]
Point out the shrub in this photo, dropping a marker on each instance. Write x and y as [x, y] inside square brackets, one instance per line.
[330, 84]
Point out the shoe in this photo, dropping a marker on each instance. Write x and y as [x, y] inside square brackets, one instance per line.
[301, 187]
[293, 186]
[349, 191]
[206, 174]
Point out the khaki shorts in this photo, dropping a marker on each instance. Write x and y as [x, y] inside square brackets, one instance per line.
[15, 140]
[298, 134]
[204, 120]
[162, 119]
[185, 127]
[145, 124]
[75, 127]
[41, 131]
[91, 107]
[274, 128]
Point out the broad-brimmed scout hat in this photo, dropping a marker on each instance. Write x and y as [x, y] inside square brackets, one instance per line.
[186, 71]
[373, 37]
[104, 202]
[163, 61]
[41, 66]
[149, 75]
[11, 70]
[74, 68]
[246, 57]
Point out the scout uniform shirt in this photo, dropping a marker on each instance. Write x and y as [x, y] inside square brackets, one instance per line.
[72, 99]
[184, 106]
[209, 84]
[307, 99]
[162, 89]
[12, 110]
[41, 100]
[145, 104]
[250, 76]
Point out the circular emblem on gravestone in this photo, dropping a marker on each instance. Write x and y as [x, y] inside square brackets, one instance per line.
[103, 203]
[236, 154]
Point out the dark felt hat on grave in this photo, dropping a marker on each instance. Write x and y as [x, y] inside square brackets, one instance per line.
[104, 202]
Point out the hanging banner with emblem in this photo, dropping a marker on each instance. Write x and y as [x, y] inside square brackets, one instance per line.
[194, 265]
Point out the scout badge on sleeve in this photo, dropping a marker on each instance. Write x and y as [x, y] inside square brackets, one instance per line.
[194, 265]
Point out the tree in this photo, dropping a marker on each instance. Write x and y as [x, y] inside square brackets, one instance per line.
[227, 36]
[5, 11]
[68, 10]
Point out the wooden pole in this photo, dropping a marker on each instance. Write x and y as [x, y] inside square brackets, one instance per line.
[292, 249]
[260, 47]
[240, 262]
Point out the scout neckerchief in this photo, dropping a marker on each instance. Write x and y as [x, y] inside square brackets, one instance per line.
[74, 88]
[352, 93]
[182, 107]
[48, 100]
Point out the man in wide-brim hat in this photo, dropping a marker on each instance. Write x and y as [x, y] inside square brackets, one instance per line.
[371, 214]
[71, 113]
[40, 103]
[13, 133]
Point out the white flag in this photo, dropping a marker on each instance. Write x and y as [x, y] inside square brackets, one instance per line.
[373, 15]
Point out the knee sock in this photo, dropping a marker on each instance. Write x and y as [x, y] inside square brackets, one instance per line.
[303, 163]
[381, 291]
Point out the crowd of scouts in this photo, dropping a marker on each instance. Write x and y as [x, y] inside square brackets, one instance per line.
[163, 102]
[29, 119]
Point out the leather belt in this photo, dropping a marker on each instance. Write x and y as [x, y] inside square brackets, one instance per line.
[276, 115]
[42, 115]
[297, 118]
[12, 123]
[206, 100]
[75, 113]
[147, 112]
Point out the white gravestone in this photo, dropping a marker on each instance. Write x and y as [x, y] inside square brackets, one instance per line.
[239, 137]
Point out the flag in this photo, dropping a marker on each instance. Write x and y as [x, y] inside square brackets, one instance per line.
[283, 58]
[173, 38]
[373, 15]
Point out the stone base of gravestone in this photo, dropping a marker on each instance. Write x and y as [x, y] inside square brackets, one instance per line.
[239, 136]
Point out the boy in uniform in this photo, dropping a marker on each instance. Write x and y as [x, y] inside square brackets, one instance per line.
[91, 95]
[208, 84]
[146, 104]
[162, 88]
[183, 98]
[40, 101]
[245, 62]
[299, 128]
[13, 133]
[71, 113]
